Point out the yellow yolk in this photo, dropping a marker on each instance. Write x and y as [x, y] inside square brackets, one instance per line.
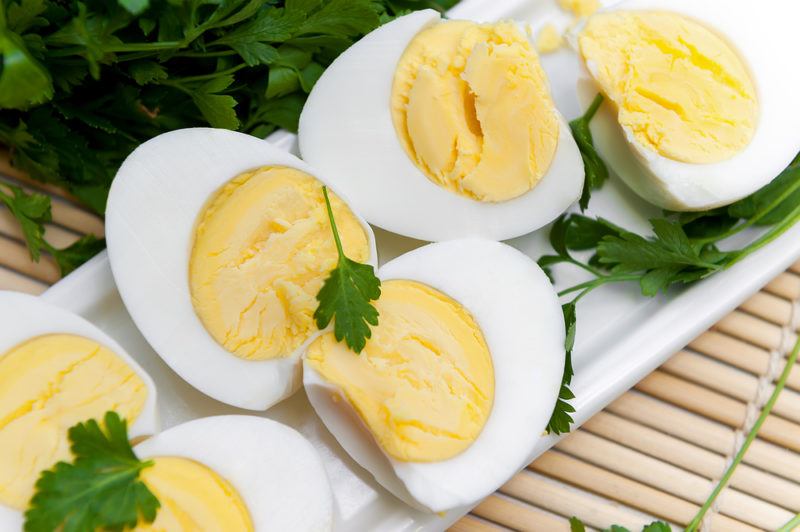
[472, 109]
[193, 497]
[424, 383]
[549, 39]
[47, 385]
[263, 247]
[679, 88]
[580, 8]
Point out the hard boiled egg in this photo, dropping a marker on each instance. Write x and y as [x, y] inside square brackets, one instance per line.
[56, 370]
[219, 243]
[451, 393]
[238, 474]
[438, 129]
[702, 108]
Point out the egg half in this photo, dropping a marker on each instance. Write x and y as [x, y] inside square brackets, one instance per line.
[219, 243]
[450, 395]
[439, 129]
[56, 370]
[701, 103]
[236, 473]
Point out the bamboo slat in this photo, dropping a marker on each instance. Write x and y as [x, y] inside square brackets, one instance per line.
[704, 432]
[568, 501]
[691, 457]
[15, 256]
[11, 280]
[740, 354]
[517, 516]
[635, 494]
[472, 524]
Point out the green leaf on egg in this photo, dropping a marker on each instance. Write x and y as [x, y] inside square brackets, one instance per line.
[346, 295]
[99, 489]
[595, 169]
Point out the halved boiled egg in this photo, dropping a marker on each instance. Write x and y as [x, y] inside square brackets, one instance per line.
[438, 129]
[219, 243]
[56, 370]
[702, 108]
[452, 391]
[238, 474]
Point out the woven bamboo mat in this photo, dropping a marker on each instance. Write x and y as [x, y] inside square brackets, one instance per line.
[656, 452]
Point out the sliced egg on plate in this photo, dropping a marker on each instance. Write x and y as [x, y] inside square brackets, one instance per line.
[702, 107]
[219, 243]
[438, 129]
[452, 391]
[56, 370]
[238, 474]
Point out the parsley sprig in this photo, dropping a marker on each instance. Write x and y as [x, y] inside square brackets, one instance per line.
[99, 490]
[595, 170]
[346, 295]
[32, 211]
[683, 249]
[576, 525]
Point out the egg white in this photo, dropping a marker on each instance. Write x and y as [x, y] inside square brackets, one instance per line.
[517, 309]
[25, 317]
[275, 470]
[766, 43]
[153, 205]
[346, 129]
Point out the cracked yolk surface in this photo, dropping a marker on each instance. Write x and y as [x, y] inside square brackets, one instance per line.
[193, 497]
[47, 385]
[263, 247]
[472, 109]
[424, 383]
[679, 88]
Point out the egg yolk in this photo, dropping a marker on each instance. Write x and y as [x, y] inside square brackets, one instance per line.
[472, 109]
[580, 8]
[47, 385]
[192, 497]
[424, 383]
[549, 39]
[679, 88]
[263, 247]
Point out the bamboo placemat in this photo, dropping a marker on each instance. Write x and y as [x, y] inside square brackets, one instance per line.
[654, 453]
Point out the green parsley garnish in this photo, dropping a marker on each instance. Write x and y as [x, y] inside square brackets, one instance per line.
[100, 489]
[32, 211]
[346, 295]
[684, 249]
[594, 168]
[576, 525]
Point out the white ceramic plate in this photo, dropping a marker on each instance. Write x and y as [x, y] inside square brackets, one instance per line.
[621, 336]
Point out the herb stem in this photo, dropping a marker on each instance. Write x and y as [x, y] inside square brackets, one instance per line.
[333, 222]
[203, 77]
[221, 53]
[599, 281]
[751, 436]
[754, 219]
[790, 525]
[592, 110]
[774, 232]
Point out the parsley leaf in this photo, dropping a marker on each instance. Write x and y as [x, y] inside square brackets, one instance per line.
[594, 168]
[346, 295]
[32, 211]
[576, 525]
[561, 418]
[100, 489]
